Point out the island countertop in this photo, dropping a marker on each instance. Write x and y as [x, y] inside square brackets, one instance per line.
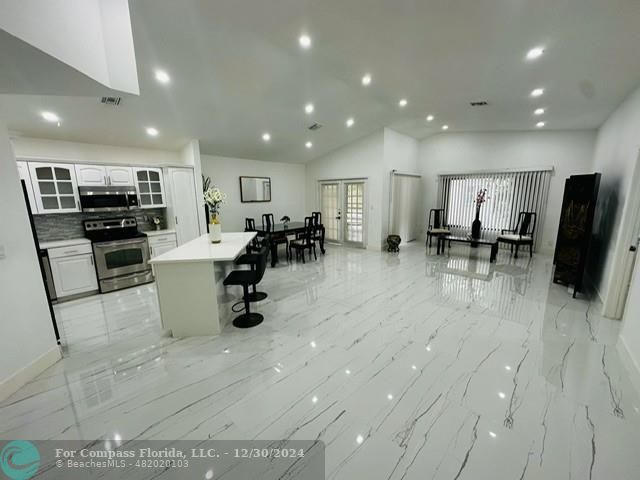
[202, 250]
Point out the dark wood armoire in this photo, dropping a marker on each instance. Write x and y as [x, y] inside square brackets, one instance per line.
[575, 229]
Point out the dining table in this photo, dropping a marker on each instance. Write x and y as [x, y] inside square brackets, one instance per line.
[286, 229]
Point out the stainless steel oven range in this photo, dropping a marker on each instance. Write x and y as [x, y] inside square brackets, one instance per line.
[121, 253]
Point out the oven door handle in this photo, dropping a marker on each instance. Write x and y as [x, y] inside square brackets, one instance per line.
[120, 242]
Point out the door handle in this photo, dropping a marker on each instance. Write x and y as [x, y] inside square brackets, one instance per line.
[338, 218]
[176, 220]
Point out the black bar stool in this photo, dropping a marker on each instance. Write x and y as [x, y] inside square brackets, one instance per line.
[245, 278]
[253, 259]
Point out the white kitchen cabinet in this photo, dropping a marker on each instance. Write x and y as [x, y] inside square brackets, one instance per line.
[91, 175]
[150, 183]
[54, 187]
[23, 172]
[104, 175]
[182, 211]
[161, 243]
[120, 176]
[73, 270]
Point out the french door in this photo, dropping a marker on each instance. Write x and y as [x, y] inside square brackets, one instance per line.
[342, 203]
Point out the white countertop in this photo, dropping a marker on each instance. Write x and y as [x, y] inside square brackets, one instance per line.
[202, 250]
[153, 233]
[64, 243]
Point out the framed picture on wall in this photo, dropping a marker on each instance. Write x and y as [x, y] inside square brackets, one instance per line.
[255, 189]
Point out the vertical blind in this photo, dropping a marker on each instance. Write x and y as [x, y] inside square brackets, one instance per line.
[508, 194]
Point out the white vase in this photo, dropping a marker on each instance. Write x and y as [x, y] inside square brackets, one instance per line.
[215, 232]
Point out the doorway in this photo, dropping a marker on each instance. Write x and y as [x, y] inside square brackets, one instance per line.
[343, 207]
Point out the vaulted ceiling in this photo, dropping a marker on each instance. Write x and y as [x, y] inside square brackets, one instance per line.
[238, 71]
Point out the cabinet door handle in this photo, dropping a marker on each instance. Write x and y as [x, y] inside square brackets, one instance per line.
[176, 220]
[91, 257]
[69, 252]
[78, 204]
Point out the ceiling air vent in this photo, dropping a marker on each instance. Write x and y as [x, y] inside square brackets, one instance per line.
[113, 101]
[479, 104]
[315, 126]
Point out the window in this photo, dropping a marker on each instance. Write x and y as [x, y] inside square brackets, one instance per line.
[508, 194]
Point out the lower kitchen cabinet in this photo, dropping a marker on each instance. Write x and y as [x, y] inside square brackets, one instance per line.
[73, 272]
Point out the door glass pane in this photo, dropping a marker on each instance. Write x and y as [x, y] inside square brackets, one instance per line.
[47, 188]
[63, 173]
[157, 199]
[50, 203]
[354, 212]
[67, 202]
[329, 209]
[142, 175]
[154, 176]
[65, 188]
[44, 173]
[155, 187]
[144, 187]
[145, 199]
[124, 257]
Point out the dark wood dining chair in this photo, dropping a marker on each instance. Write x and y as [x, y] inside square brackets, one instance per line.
[305, 242]
[437, 226]
[268, 225]
[256, 243]
[522, 234]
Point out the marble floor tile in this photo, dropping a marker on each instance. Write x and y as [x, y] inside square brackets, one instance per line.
[408, 366]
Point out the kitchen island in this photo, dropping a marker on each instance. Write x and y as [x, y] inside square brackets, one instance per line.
[193, 300]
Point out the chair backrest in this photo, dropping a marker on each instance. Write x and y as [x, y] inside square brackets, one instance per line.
[526, 224]
[436, 218]
[268, 222]
[249, 225]
[309, 229]
[317, 218]
[261, 265]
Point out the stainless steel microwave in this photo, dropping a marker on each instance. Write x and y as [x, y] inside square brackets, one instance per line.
[108, 199]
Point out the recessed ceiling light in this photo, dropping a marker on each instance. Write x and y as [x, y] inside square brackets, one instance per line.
[537, 92]
[539, 111]
[350, 122]
[540, 124]
[309, 108]
[535, 53]
[304, 41]
[266, 136]
[50, 117]
[402, 103]
[152, 131]
[445, 127]
[366, 80]
[308, 144]
[430, 118]
[162, 76]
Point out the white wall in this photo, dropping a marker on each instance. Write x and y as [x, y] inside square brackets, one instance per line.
[569, 152]
[92, 36]
[27, 343]
[616, 151]
[361, 159]
[93, 153]
[287, 189]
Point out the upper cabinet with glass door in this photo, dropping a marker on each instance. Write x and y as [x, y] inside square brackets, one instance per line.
[54, 186]
[150, 185]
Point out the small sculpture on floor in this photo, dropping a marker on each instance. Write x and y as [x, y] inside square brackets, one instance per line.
[393, 243]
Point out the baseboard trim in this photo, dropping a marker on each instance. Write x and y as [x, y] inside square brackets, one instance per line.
[629, 363]
[29, 372]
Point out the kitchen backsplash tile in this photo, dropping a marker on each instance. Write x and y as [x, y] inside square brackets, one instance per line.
[66, 226]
